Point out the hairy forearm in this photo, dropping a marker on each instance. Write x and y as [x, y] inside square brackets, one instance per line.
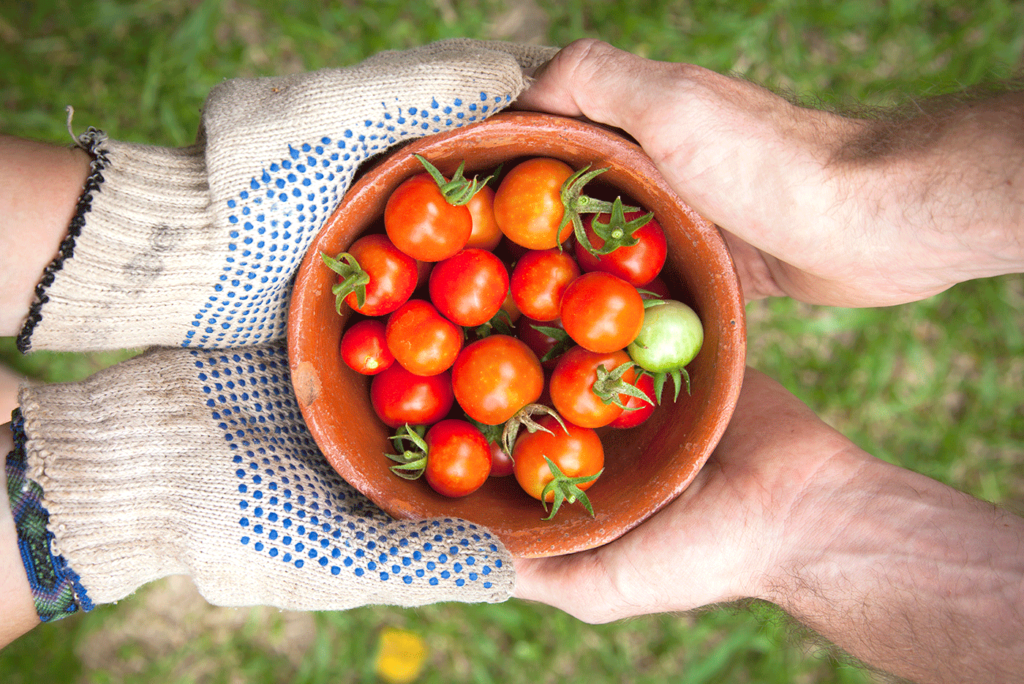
[41, 184]
[17, 611]
[951, 172]
[909, 575]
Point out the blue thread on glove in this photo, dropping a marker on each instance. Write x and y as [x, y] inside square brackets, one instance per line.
[294, 508]
[274, 219]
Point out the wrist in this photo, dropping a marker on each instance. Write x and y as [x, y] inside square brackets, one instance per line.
[809, 510]
[16, 603]
[905, 574]
[831, 509]
[42, 183]
[149, 231]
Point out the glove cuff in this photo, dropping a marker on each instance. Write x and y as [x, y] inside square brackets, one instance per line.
[149, 232]
[101, 456]
[56, 589]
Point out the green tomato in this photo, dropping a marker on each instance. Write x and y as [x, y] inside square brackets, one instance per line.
[670, 337]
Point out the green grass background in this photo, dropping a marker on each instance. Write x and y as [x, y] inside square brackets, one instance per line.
[933, 386]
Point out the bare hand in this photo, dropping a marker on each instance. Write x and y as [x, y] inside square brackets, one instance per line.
[719, 540]
[806, 211]
[899, 570]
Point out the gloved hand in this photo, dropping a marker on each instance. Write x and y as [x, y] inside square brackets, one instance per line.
[197, 246]
[198, 462]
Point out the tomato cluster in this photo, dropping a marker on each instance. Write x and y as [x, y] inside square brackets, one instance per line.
[508, 303]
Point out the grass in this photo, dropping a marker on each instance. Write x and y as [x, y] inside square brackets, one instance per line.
[932, 386]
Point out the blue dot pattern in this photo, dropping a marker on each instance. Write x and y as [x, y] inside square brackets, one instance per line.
[273, 219]
[294, 509]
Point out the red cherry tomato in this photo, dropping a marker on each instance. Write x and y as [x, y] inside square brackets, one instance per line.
[423, 270]
[364, 349]
[637, 410]
[539, 280]
[542, 343]
[458, 458]
[422, 340]
[399, 397]
[573, 390]
[576, 451]
[469, 288]
[656, 289]
[486, 234]
[528, 203]
[636, 264]
[495, 377]
[602, 312]
[501, 462]
[421, 222]
[392, 275]
[508, 305]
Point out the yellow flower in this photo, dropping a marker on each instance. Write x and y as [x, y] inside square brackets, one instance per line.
[400, 655]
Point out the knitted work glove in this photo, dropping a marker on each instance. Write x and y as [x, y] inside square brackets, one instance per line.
[197, 462]
[197, 246]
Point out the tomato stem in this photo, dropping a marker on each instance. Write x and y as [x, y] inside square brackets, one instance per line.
[459, 190]
[566, 489]
[524, 418]
[609, 386]
[617, 232]
[492, 433]
[411, 462]
[500, 323]
[352, 278]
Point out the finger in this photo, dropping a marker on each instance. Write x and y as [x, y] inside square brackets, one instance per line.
[753, 269]
[592, 79]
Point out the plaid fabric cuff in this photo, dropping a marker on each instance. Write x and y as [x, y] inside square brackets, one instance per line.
[56, 588]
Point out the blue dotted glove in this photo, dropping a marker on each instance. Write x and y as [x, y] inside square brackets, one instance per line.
[197, 246]
[198, 462]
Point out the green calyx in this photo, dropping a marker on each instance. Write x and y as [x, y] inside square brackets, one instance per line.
[575, 203]
[524, 418]
[500, 324]
[617, 232]
[609, 386]
[353, 278]
[566, 490]
[457, 191]
[562, 341]
[678, 376]
[410, 463]
[492, 433]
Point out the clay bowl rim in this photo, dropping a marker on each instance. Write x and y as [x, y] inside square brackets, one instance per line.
[312, 364]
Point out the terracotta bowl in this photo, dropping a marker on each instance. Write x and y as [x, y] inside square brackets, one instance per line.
[645, 467]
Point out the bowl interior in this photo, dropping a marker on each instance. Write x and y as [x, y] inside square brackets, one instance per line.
[645, 467]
